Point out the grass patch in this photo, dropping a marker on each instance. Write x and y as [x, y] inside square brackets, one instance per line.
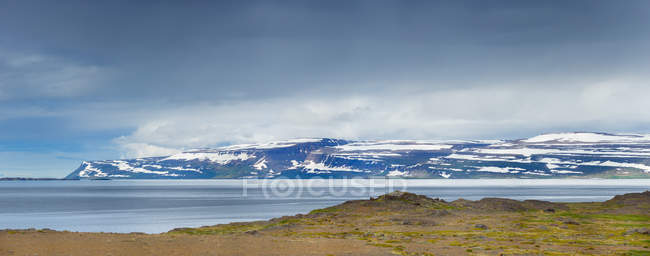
[217, 230]
[455, 243]
[628, 217]
[618, 217]
[574, 215]
[325, 210]
[637, 253]
[381, 245]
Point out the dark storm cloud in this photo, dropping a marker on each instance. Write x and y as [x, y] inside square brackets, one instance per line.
[210, 49]
[150, 77]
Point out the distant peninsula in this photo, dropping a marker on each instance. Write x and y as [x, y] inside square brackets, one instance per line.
[25, 178]
[556, 155]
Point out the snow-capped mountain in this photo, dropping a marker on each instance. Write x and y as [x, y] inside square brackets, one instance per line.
[557, 155]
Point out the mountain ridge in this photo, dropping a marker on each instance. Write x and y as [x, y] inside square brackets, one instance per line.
[553, 155]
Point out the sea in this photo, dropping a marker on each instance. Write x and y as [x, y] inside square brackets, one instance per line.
[156, 206]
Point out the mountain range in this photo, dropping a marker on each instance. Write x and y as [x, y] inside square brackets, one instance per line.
[555, 155]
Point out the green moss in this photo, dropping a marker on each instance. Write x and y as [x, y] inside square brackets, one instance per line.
[618, 217]
[573, 215]
[381, 245]
[218, 230]
[455, 243]
[286, 222]
[637, 253]
[433, 241]
[631, 225]
[623, 217]
[325, 210]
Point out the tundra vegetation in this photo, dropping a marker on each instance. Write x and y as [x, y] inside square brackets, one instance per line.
[398, 223]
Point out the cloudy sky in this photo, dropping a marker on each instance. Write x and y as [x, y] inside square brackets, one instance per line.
[87, 80]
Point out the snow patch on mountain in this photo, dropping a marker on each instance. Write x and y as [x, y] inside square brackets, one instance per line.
[260, 164]
[499, 169]
[313, 167]
[216, 157]
[587, 137]
[537, 172]
[366, 156]
[124, 166]
[494, 158]
[530, 151]
[90, 171]
[554, 163]
[270, 145]
[398, 173]
[565, 172]
[380, 145]
[643, 167]
[178, 168]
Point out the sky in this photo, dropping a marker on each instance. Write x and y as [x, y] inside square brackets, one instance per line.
[92, 80]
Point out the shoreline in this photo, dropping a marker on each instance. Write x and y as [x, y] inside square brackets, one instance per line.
[236, 222]
[402, 210]
[137, 199]
[396, 223]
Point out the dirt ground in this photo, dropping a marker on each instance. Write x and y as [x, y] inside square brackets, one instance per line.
[394, 224]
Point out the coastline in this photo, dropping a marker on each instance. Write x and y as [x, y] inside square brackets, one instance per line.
[156, 206]
[27, 179]
[396, 223]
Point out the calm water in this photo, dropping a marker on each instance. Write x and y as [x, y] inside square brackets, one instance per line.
[155, 206]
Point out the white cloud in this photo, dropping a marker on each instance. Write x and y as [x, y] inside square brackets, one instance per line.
[485, 112]
[435, 112]
[138, 150]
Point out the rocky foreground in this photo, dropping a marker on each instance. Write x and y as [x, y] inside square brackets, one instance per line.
[398, 223]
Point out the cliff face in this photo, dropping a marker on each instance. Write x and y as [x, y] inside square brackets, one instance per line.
[545, 156]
